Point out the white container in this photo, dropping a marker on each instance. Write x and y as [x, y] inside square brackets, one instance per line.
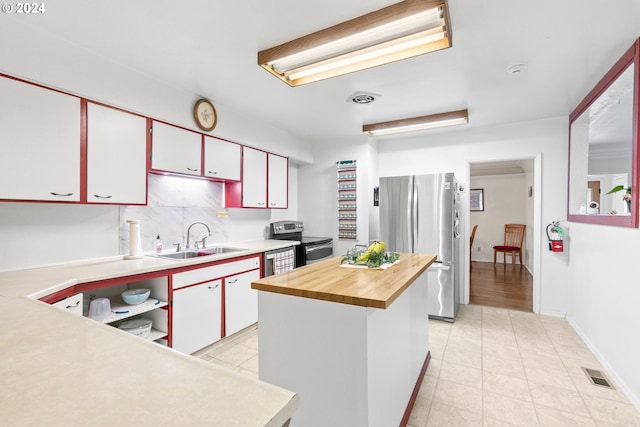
[135, 245]
[138, 327]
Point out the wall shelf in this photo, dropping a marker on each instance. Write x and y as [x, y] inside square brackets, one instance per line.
[347, 199]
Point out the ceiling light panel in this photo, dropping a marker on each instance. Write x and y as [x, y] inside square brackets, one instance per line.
[402, 30]
[417, 123]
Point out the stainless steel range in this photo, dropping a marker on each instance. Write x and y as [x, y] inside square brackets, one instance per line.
[310, 249]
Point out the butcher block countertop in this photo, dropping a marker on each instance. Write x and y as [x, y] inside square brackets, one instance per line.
[329, 281]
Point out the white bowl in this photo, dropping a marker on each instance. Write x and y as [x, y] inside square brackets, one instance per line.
[135, 296]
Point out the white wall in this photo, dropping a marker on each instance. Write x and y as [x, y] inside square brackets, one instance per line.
[505, 202]
[604, 296]
[318, 191]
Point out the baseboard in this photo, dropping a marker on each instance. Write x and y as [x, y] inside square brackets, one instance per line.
[416, 389]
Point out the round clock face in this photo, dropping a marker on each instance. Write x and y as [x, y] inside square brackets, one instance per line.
[205, 115]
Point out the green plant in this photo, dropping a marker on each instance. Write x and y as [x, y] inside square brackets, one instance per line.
[627, 194]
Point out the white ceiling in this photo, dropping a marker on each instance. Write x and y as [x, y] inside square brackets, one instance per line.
[209, 48]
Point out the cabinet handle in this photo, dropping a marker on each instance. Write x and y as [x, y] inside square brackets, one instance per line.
[272, 204]
[192, 170]
[213, 172]
[232, 281]
[61, 195]
[261, 203]
[213, 287]
[101, 197]
[73, 306]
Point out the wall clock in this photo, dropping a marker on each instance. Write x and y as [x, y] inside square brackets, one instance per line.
[205, 115]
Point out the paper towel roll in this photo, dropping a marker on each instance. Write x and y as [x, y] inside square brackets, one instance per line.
[135, 244]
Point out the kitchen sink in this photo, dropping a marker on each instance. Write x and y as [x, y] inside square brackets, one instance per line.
[183, 255]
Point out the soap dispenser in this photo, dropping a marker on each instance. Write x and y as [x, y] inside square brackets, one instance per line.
[158, 245]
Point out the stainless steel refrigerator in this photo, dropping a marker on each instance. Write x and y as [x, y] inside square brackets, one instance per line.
[420, 214]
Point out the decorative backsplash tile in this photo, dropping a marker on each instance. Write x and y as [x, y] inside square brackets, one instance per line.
[173, 204]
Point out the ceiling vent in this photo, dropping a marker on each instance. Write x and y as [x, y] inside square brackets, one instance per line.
[363, 97]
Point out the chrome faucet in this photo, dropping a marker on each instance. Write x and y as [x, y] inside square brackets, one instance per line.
[189, 234]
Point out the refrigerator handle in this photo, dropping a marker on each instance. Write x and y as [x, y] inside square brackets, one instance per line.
[456, 229]
[414, 213]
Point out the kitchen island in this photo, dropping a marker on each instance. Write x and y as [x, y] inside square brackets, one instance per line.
[351, 342]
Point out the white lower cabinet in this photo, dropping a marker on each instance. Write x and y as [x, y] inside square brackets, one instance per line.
[241, 302]
[73, 304]
[198, 305]
[197, 316]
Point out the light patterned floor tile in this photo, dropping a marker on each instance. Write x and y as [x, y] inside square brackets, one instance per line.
[509, 410]
[508, 367]
[459, 396]
[553, 377]
[508, 386]
[558, 398]
[442, 415]
[500, 351]
[428, 387]
[542, 359]
[472, 359]
[420, 412]
[612, 412]
[236, 354]
[433, 370]
[461, 374]
[551, 417]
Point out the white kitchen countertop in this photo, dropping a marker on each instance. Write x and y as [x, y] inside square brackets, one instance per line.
[57, 368]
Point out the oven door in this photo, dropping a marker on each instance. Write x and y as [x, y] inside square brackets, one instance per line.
[315, 253]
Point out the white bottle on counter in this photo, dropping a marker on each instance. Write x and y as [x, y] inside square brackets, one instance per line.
[158, 245]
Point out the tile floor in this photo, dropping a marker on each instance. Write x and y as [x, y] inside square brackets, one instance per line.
[492, 367]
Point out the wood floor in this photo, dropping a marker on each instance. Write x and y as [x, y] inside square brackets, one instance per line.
[501, 285]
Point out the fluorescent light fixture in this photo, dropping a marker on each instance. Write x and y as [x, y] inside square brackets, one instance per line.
[400, 31]
[417, 123]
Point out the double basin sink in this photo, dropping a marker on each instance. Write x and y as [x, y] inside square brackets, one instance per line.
[188, 254]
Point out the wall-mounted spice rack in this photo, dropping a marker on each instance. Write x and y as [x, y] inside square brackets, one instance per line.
[347, 199]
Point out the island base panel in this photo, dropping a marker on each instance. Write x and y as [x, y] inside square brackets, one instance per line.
[351, 365]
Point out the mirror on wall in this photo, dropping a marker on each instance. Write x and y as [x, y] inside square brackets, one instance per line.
[603, 149]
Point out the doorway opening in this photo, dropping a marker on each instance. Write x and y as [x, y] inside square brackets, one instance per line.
[508, 197]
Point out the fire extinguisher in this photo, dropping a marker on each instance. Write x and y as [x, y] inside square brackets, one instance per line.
[555, 234]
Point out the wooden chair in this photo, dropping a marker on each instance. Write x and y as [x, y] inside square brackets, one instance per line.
[473, 236]
[513, 237]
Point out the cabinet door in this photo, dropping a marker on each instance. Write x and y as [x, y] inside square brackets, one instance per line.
[278, 181]
[175, 150]
[73, 304]
[254, 178]
[197, 316]
[241, 302]
[221, 159]
[116, 156]
[39, 143]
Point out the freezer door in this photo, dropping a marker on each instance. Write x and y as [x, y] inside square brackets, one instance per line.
[434, 210]
[443, 298]
[396, 213]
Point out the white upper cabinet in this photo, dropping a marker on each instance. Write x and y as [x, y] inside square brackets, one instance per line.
[176, 150]
[39, 143]
[221, 159]
[278, 177]
[254, 178]
[116, 156]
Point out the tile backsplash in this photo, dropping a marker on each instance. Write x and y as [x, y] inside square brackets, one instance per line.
[173, 204]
